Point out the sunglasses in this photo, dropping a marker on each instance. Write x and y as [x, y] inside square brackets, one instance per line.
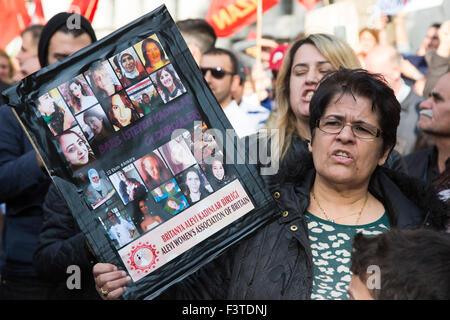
[216, 72]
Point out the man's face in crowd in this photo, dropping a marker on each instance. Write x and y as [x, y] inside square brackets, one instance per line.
[28, 49]
[432, 38]
[221, 88]
[64, 44]
[435, 111]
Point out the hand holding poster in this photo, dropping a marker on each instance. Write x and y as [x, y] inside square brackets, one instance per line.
[124, 128]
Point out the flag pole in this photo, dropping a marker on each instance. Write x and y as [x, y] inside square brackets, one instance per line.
[258, 31]
[258, 63]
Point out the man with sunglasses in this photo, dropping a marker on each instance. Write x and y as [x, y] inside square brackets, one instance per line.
[219, 67]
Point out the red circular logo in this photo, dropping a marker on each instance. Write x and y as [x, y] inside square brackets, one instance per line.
[143, 257]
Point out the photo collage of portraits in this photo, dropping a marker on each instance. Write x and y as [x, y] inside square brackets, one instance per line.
[157, 186]
[112, 94]
[151, 188]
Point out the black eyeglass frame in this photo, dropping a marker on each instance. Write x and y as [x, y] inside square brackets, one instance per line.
[352, 127]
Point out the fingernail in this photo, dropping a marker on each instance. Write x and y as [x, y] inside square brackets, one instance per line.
[128, 278]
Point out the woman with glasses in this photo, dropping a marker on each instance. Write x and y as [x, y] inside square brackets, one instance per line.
[339, 190]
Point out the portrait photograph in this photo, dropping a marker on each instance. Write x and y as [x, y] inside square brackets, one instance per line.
[99, 188]
[194, 184]
[152, 53]
[144, 96]
[166, 189]
[120, 111]
[102, 79]
[129, 184]
[55, 112]
[147, 215]
[177, 155]
[153, 169]
[95, 125]
[202, 143]
[128, 67]
[168, 83]
[78, 94]
[75, 148]
[174, 204]
[118, 224]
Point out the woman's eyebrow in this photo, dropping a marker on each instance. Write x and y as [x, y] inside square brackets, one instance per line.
[306, 64]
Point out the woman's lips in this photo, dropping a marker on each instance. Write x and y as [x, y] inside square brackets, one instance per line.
[307, 95]
[343, 157]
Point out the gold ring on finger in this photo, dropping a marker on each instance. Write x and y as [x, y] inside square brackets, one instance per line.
[104, 292]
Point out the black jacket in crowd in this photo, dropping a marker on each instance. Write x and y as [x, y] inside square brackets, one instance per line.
[275, 262]
[423, 164]
[62, 244]
[272, 263]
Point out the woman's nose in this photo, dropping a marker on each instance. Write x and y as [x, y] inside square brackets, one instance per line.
[312, 76]
[346, 134]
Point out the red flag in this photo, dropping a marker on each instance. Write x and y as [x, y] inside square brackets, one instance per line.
[14, 19]
[229, 16]
[86, 8]
[38, 17]
[309, 4]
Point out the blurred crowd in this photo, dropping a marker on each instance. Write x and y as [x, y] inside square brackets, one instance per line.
[284, 90]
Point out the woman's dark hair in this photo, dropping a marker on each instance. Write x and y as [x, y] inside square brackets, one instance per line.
[127, 104]
[176, 81]
[94, 113]
[147, 62]
[414, 264]
[57, 121]
[203, 190]
[83, 138]
[359, 82]
[74, 99]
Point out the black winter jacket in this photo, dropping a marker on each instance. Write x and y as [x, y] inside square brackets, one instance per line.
[275, 262]
[62, 244]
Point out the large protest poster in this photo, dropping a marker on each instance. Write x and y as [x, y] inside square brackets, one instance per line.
[139, 148]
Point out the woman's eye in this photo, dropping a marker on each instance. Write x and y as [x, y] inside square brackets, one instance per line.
[333, 123]
[362, 129]
[299, 73]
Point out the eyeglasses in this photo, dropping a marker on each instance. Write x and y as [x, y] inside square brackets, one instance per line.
[216, 72]
[361, 130]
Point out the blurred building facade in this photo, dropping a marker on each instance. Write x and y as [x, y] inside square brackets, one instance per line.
[284, 21]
